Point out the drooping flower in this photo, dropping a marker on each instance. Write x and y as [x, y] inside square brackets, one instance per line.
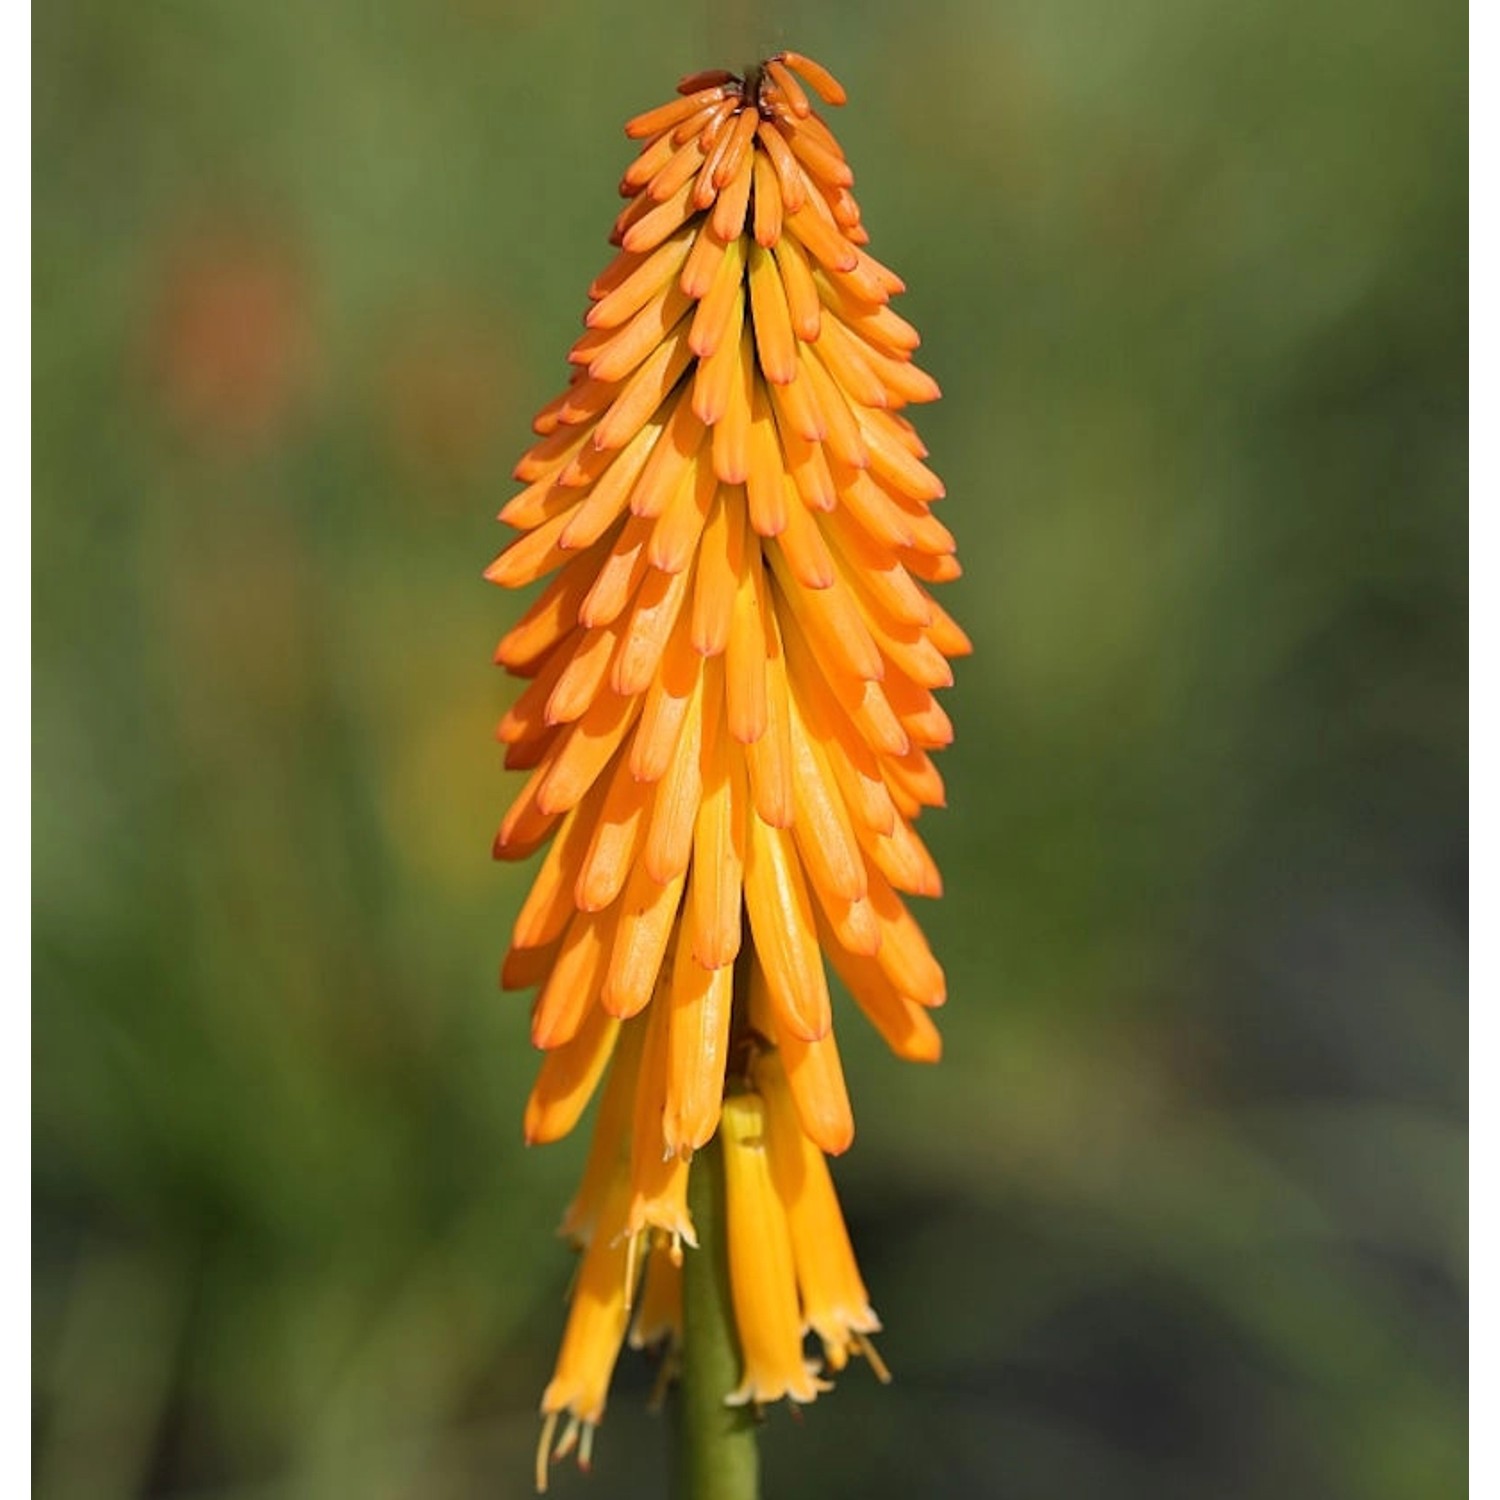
[727, 722]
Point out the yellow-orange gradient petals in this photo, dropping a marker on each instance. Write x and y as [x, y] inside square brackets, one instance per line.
[597, 1318]
[658, 1314]
[725, 715]
[835, 1304]
[762, 1273]
[609, 1149]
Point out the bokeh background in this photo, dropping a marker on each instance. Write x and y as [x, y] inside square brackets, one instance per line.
[1182, 1212]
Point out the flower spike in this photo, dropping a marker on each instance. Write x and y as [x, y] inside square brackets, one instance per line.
[724, 719]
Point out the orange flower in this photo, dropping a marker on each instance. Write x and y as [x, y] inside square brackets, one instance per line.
[729, 717]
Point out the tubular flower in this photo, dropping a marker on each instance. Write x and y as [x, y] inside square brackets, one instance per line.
[727, 722]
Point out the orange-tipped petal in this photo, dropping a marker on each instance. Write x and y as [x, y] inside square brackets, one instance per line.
[619, 574]
[717, 373]
[831, 620]
[731, 435]
[669, 840]
[788, 173]
[765, 480]
[549, 905]
[767, 201]
[573, 985]
[606, 501]
[665, 116]
[671, 459]
[584, 752]
[717, 889]
[814, 226]
[525, 968]
[801, 291]
[802, 428]
[651, 623]
[680, 167]
[619, 822]
[904, 956]
[674, 542]
[728, 218]
[702, 263]
[654, 155]
[781, 921]
[823, 165]
[697, 1049]
[874, 510]
[551, 618]
[645, 391]
[720, 560]
[712, 320]
[624, 348]
[647, 912]
[825, 834]
[532, 556]
[892, 462]
[824, 84]
[796, 100]
[568, 1077]
[845, 439]
[665, 709]
[948, 635]
[775, 343]
[801, 542]
[706, 78]
[814, 1075]
[657, 270]
[716, 139]
[868, 281]
[847, 364]
[769, 758]
[907, 1028]
[660, 220]
[745, 654]
[738, 151]
[876, 573]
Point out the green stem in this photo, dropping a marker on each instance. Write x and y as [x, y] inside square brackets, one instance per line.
[717, 1458]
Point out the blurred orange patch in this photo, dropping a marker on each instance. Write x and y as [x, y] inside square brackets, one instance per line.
[231, 341]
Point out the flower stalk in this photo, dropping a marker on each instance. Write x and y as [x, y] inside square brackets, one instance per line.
[717, 1457]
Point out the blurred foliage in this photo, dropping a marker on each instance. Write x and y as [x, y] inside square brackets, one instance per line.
[1182, 1213]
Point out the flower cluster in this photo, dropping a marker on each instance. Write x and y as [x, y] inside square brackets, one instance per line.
[728, 719]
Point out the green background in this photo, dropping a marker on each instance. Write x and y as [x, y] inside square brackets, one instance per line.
[1182, 1211]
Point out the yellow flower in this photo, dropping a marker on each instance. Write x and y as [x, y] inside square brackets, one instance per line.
[762, 1271]
[597, 1318]
[832, 1295]
[727, 721]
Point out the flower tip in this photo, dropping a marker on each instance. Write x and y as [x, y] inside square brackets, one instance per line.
[824, 84]
[707, 78]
